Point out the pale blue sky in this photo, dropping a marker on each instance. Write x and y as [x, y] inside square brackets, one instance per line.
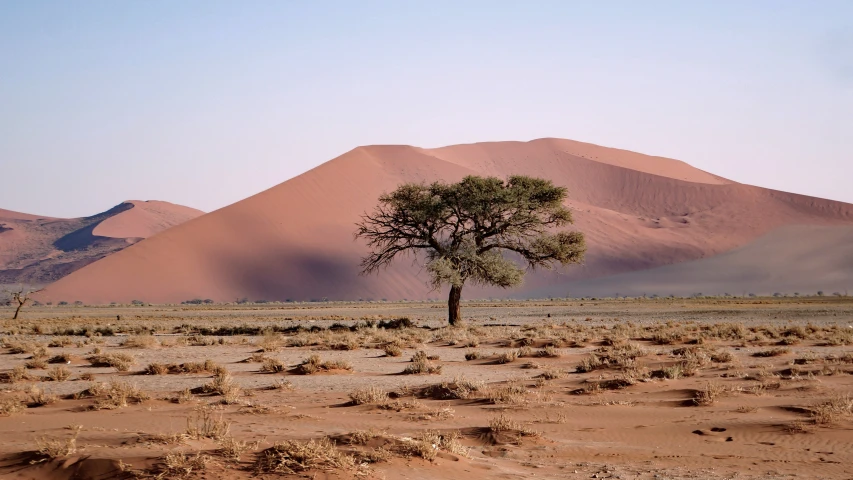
[204, 103]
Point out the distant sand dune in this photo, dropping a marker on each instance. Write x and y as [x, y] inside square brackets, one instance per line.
[38, 250]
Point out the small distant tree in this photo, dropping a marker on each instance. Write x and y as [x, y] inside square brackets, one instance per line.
[19, 299]
[464, 229]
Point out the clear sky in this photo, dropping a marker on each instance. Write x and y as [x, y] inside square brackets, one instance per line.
[204, 103]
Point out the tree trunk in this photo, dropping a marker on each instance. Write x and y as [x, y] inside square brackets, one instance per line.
[17, 310]
[453, 309]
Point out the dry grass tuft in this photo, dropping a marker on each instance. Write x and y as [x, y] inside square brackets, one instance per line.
[36, 363]
[473, 355]
[708, 395]
[314, 364]
[292, 457]
[10, 406]
[39, 398]
[55, 448]
[392, 350]
[203, 424]
[120, 361]
[421, 366]
[156, 369]
[832, 410]
[223, 384]
[58, 373]
[119, 394]
[507, 357]
[182, 465]
[232, 449]
[503, 425]
[272, 365]
[65, 358]
[369, 396]
[17, 374]
[773, 352]
[140, 341]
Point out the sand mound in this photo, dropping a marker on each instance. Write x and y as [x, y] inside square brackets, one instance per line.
[294, 241]
[38, 250]
[144, 219]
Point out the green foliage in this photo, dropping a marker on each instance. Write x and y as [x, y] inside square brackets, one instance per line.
[464, 228]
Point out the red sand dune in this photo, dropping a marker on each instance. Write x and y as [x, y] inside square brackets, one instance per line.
[37, 250]
[294, 241]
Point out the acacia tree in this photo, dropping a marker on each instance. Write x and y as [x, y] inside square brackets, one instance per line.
[464, 229]
[20, 297]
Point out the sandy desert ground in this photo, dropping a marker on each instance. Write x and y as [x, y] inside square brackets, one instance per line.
[663, 388]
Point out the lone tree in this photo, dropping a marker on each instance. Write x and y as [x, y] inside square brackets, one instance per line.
[20, 298]
[464, 229]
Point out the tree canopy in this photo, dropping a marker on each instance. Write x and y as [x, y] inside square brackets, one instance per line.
[464, 229]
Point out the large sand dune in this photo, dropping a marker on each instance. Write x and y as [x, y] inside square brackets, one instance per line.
[294, 241]
[37, 250]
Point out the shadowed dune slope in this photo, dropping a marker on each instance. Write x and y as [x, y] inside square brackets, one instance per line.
[793, 259]
[37, 250]
[294, 241]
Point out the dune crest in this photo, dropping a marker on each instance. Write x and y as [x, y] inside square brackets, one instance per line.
[38, 250]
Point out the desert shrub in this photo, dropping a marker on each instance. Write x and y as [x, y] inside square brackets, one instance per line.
[157, 369]
[232, 449]
[458, 388]
[272, 365]
[553, 374]
[473, 355]
[421, 367]
[203, 424]
[61, 358]
[140, 341]
[58, 373]
[63, 341]
[10, 406]
[618, 355]
[774, 352]
[292, 457]
[181, 465]
[448, 441]
[39, 398]
[223, 384]
[505, 425]
[368, 396]
[120, 361]
[392, 350]
[315, 364]
[673, 372]
[281, 385]
[708, 395]
[39, 363]
[510, 394]
[722, 357]
[832, 410]
[118, 394]
[17, 374]
[507, 357]
[52, 448]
